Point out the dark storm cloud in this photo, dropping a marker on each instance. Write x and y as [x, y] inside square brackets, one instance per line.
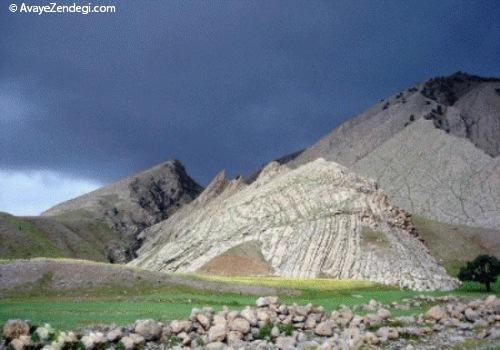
[216, 84]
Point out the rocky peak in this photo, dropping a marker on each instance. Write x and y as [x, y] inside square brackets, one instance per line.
[134, 203]
[447, 90]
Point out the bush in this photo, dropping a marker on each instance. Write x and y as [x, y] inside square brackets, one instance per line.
[287, 329]
[483, 269]
[265, 331]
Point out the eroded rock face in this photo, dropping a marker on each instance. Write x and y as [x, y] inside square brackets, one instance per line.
[133, 204]
[434, 148]
[317, 220]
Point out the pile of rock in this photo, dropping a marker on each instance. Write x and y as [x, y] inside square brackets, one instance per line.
[272, 325]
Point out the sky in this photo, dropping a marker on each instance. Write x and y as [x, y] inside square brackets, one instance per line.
[219, 84]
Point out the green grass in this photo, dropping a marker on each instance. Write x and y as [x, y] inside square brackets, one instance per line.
[38, 244]
[54, 237]
[76, 309]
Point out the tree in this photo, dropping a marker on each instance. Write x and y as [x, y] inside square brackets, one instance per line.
[483, 269]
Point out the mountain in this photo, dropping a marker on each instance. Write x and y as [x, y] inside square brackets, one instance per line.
[434, 148]
[132, 204]
[319, 220]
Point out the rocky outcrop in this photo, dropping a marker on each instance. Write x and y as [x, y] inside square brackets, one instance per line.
[434, 148]
[133, 204]
[317, 220]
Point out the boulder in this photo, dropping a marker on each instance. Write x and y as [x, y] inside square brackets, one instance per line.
[384, 314]
[471, 315]
[285, 343]
[179, 326]
[240, 324]
[234, 338]
[371, 338]
[324, 329]
[263, 316]
[203, 320]
[435, 313]
[93, 339]
[215, 346]
[114, 335]
[131, 341]
[149, 329]
[217, 333]
[250, 315]
[13, 329]
[219, 320]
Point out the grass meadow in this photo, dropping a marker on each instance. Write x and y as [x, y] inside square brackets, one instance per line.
[117, 305]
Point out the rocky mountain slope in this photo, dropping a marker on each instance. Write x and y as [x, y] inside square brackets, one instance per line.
[317, 220]
[434, 148]
[132, 204]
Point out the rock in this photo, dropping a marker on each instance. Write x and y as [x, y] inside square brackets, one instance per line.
[215, 346]
[219, 320]
[44, 332]
[131, 341]
[372, 305]
[406, 320]
[93, 339]
[480, 323]
[490, 300]
[184, 338]
[324, 329]
[311, 322]
[249, 315]
[308, 345]
[234, 338]
[471, 315]
[217, 333]
[203, 320]
[240, 324]
[435, 313]
[225, 217]
[114, 335]
[275, 332]
[13, 329]
[179, 326]
[384, 314]
[371, 338]
[386, 333]
[17, 344]
[263, 316]
[372, 320]
[149, 329]
[285, 343]
[20, 343]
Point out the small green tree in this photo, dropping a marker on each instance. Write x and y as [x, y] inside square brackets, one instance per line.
[483, 269]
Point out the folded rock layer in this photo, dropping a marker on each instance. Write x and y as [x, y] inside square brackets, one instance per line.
[319, 220]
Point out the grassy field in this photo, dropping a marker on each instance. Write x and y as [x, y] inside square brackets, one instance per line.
[77, 309]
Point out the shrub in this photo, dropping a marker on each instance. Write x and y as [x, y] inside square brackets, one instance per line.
[483, 269]
[265, 331]
[287, 329]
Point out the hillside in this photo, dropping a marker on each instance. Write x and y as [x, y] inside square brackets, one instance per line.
[319, 220]
[102, 225]
[131, 205]
[434, 148]
[27, 237]
[453, 245]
